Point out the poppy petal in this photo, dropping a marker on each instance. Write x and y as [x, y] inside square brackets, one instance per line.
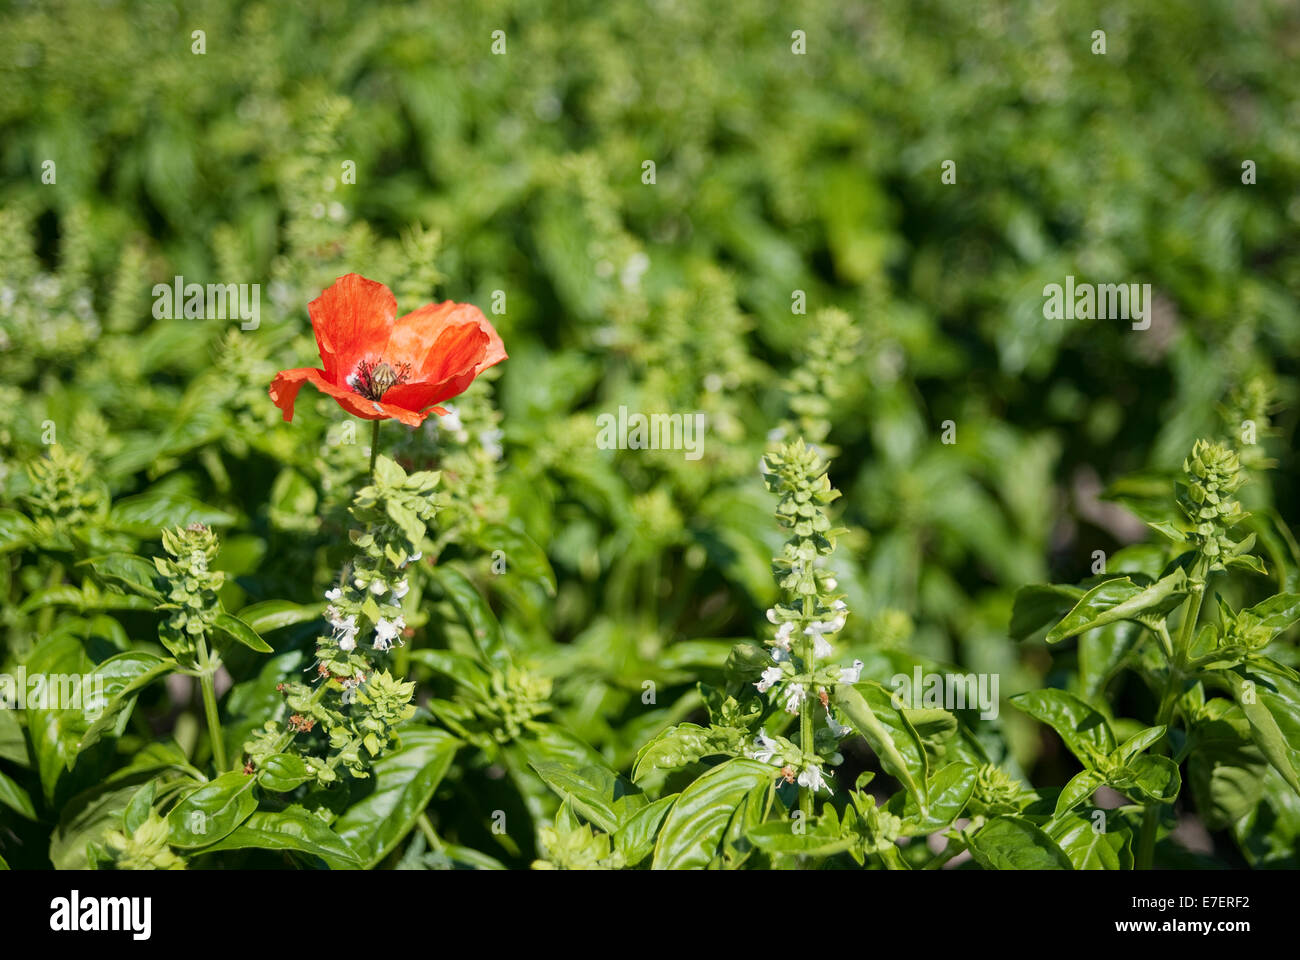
[351, 319]
[446, 345]
[284, 388]
[284, 391]
[455, 356]
[419, 339]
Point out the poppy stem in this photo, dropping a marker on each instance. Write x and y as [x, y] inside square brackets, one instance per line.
[374, 449]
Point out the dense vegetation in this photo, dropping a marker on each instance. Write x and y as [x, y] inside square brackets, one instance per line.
[583, 629]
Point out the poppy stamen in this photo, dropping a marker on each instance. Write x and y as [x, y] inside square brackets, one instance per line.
[372, 380]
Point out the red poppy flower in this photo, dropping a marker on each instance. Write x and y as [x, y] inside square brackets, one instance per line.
[378, 366]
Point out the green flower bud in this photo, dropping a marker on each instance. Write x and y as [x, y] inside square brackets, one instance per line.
[144, 849]
[1213, 474]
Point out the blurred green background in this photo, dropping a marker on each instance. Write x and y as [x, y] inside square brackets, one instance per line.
[774, 173]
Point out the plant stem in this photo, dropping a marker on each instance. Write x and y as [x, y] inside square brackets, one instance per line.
[806, 735]
[374, 448]
[1168, 703]
[429, 834]
[206, 674]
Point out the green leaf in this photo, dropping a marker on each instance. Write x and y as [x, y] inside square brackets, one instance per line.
[950, 790]
[635, 839]
[292, 829]
[595, 792]
[86, 818]
[16, 531]
[870, 708]
[692, 833]
[237, 629]
[475, 613]
[1008, 843]
[461, 668]
[147, 514]
[1121, 599]
[406, 519]
[122, 678]
[552, 743]
[675, 747]
[1089, 849]
[292, 502]
[87, 597]
[282, 772]
[60, 664]
[13, 743]
[274, 614]
[520, 554]
[212, 811]
[401, 786]
[1277, 612]
[1153, 779]
[1081, 786]
[1225, 769]
[129, 571]
[387, 472]
[1271, 703]
[1084, 730]
[1248, 561]
[779, 836]
[1102, 653]
[1139, 742]
[1269, 835]
[141, 804]
[15, 797]
[1040, 604]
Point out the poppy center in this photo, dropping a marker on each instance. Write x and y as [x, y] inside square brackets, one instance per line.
[372, 380]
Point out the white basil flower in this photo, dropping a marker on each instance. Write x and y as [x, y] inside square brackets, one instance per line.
[794, 697]
[811, 777]
[387, 631]
[764, 748]
[851, 674]
[783, 634]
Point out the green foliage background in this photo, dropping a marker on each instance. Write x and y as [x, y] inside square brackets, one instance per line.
[523, 173]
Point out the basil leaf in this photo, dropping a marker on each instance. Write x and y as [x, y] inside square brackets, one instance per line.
[1121, 599]
[870, 708]
[1084, 730]
[1005, 843]
[693, 830]
[237, 629]
[212, 811]
[293, 829]
[401, 786]
[595, 792]
[1089, 848]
